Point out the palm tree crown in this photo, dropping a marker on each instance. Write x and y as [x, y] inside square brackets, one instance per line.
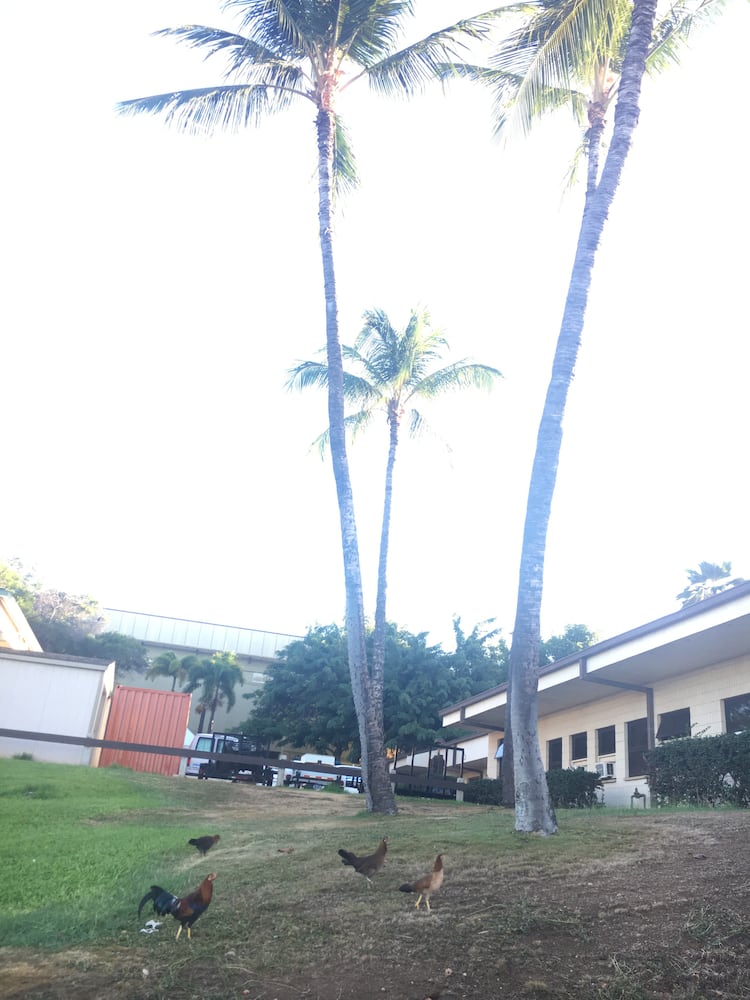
[309, 50]
[216, 676]
[393, 369]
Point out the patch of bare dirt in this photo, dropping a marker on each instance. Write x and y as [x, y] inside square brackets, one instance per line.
[668, 919]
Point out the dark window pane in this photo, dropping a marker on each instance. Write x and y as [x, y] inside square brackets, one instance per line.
[554, 755]
[673, 725]
[737, 713]
[605, 741]
[579, 746]
[637, 733]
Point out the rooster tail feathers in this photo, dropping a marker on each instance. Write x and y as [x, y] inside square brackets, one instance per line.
[406, 887]
[347, 858]
[151, 894]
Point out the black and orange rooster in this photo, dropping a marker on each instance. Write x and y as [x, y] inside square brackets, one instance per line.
[204, 843]
[428, 884]
[186, 909]
[369, 864]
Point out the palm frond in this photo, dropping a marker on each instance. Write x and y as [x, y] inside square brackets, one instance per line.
[673, 30]
[288, 27]
[242, 53]
[345, 177]
[308, 375]
[410, 69]
[559, 50]
[459, 375]
[206, 110]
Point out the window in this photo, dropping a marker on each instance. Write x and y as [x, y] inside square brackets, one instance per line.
[554, 754]
[605, 741]
[737, 713]
[673, 725]
[579, 746]
[637, 735]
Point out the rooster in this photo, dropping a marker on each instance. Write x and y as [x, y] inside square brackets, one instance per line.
[368, 864]
[204, 843]
[428, 884]
[186, 909]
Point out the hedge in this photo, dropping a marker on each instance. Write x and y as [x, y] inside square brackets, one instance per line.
[703, 770]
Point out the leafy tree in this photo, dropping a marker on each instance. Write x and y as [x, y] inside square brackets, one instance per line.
[68, 624]
[707, 580]
[311, 51]
[389, 371]
[169, 664]
[480, 661]
[573, 639]
[306, 701]
[216, 676]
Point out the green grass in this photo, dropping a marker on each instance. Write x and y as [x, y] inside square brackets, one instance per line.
[79, 843]
[81, 846]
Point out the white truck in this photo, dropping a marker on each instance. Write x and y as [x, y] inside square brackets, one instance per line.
[302, 773]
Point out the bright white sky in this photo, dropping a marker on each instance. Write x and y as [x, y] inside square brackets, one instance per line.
[158, 287]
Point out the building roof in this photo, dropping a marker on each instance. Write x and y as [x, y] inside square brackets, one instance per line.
[711, 631]
[208, 637]
[15, 631]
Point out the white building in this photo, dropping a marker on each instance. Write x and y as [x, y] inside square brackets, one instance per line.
[48, 693]
[601, 709]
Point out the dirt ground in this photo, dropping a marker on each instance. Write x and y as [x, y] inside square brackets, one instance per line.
[668, 916]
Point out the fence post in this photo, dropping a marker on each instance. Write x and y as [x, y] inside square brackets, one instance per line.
[460, 782]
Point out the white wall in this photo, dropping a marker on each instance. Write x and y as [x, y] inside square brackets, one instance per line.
[54, 695]
[702, 691]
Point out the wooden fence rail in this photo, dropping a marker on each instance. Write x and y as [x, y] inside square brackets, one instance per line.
[281, 763]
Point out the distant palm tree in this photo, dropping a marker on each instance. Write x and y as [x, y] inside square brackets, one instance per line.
[169, 664]
[311, 51]
[216, 676]
[709, 579]
[391, 371]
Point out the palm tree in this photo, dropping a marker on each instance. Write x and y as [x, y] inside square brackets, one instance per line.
[169, 664]
[392, 370]
[606, 47]
[707, 580]
[289, 51]
[217, 676]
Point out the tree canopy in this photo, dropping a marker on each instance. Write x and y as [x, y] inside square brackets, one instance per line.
[69, 624]
[306, 702]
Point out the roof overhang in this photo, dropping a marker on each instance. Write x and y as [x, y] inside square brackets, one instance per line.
[711, 632]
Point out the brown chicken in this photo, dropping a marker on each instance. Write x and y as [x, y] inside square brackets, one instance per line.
[186, 909]
[369, 864]
[428, 884]
[204, 843]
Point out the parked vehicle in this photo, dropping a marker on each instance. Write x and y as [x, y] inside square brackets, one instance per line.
[229, 746]
[302, 775]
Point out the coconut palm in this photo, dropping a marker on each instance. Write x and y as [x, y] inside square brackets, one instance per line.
[585, 53]
[391, 371]
[169, 664]
[709, 579]
[216, 676]
[291, 51]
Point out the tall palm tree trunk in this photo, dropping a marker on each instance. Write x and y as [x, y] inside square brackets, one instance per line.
[378, 791]
[377, 676]
[534, 812]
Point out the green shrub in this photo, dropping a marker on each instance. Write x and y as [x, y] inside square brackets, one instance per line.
[703, 770]
[573, 788]
[484, 792]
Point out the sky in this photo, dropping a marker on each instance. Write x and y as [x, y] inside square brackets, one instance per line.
[158, 287]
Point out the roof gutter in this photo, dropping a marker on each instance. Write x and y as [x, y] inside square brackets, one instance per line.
[649, 692]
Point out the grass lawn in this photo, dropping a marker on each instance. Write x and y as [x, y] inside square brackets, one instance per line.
[620, 904]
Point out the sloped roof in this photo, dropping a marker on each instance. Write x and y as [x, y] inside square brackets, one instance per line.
[712, 631]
